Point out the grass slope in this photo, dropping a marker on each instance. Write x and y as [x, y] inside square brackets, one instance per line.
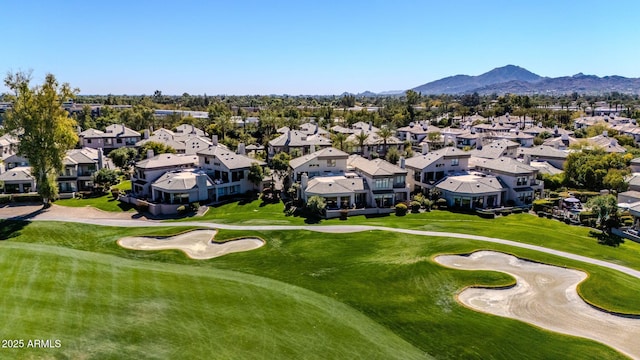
[100, 306]
[105, 202]
[388, 277]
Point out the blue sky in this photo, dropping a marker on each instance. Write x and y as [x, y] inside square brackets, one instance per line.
[309, 47]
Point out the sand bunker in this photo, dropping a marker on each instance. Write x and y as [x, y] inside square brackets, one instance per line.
[196, 244]
[545, 296]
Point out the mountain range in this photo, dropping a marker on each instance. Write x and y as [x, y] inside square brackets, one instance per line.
[516, 80]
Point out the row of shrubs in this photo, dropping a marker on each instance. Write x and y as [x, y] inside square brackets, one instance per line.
[20, 198]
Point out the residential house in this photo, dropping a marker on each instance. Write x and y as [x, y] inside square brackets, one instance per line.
[324, 162]
[297, 141]
[17, 179]
[520, 179]
[8, 145]
[472, 191]
[324, 173]
[114, 136]
[80, 166]
[415, 133]
[608, 144]
[425, 170]
[497, 149]
[386, 182]
[544, 153]
[182, 187]
[151, 169]
[562, 142]
[229, 171]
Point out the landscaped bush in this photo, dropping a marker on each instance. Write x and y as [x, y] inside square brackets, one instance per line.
[542, 204]
[401, 210]
[4, 199]
[510, 202]
[441, 203]
[585, 215]
[181, 210]
[415, 206]
[486, 214]
[517, 211]
[505, 212]
[142, 207]
[195, 206]
[344, 214]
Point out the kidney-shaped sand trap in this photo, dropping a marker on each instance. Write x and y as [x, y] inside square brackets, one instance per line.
[197, 244]
[545, 296]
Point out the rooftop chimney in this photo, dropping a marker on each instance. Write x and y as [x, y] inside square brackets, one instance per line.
[370, 126]
[214, 140]
[145, 134]
[401, 162]
[304, 180]
[605, 133]
[241, 149]
[425, 148]
[122, 132]
[150, 153]
[312, 148]
[100, 159]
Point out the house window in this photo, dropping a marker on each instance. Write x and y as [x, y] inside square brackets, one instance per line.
[88, 141]
[416, 176]
[119, 141]
[455, 162]
[331, 162]
[206, 160]
[383, 183]
[521, 181]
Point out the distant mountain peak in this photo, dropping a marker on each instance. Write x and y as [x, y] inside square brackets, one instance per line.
[465, 83]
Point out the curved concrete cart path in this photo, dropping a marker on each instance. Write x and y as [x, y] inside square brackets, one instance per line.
[197, 244]
[545, 296]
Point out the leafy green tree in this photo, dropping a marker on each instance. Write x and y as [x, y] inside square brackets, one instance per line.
[123, 157]
[105, 179]
[316, 205]
[45, 128]
[157, 147]
[280, 163]
[615, 180]
[588, 168]
[256, 174]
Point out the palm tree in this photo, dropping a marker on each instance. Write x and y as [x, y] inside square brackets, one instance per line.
[361, 138]
[385, 133]
[339, 140]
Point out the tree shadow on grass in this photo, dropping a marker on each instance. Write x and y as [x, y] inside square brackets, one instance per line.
[607, 239]
[11, 228]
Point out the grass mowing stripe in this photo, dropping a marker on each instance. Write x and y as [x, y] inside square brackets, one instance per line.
[342, 324]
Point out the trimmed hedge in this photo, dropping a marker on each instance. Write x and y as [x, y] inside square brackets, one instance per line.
[542, 204]
[22, 198]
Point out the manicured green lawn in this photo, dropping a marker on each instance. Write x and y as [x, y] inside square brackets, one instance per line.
[105, 202]
[123, 303]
